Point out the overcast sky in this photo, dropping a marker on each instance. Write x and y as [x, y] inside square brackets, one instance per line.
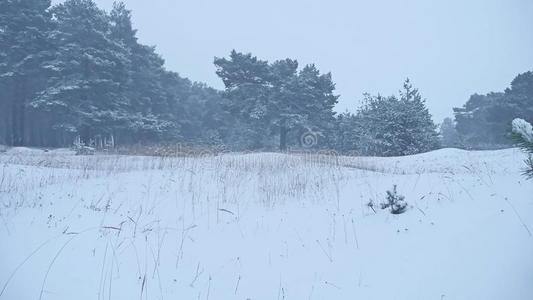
[449, 49]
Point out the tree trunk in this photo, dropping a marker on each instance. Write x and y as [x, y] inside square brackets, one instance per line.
[18, 113]
[5, 120]
[283, 136]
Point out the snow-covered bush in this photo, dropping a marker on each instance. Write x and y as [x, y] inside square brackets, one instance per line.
[390, 126]
[395, 201]
[523, 135]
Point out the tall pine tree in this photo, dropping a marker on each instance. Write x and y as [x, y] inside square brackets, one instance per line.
[24, 35]
[276, 101]
[149, 88]
[85, 93]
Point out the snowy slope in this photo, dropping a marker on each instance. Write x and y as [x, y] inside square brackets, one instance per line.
[264, 226]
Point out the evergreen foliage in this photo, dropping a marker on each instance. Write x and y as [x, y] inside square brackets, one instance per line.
[389, 126]
[395, 202]
[485, 120]
[523, 137]
[275, 101]
[25, 26]
[449, 137]
[75, 70]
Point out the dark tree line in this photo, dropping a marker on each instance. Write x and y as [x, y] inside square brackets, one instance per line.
[484, 121]
[73, 69]
[75, 72]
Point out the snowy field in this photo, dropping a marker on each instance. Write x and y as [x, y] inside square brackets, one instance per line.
[264, 226]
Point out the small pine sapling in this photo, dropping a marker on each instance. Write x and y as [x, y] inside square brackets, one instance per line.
[395, 201]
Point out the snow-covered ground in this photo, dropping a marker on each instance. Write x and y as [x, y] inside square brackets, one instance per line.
[264, 226]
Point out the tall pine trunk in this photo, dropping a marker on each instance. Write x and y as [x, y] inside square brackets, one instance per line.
[283, 135]
[18, 113]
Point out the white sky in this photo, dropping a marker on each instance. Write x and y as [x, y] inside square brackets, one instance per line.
[450, 49]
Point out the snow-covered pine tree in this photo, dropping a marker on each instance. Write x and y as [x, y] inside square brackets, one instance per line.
[150, 90]
[274, 101]
[84, 93]
[72, 69]
[247, 81]
[395, 202]
[202, 118]
[283, 115]
[24, 29]
[314, 102]
[523, 136]
[391, 126]
[420, 134]
[345, 139]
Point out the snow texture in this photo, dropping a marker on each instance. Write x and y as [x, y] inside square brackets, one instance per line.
[264, 226]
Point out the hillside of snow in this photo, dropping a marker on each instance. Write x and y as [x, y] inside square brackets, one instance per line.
[265, 226]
